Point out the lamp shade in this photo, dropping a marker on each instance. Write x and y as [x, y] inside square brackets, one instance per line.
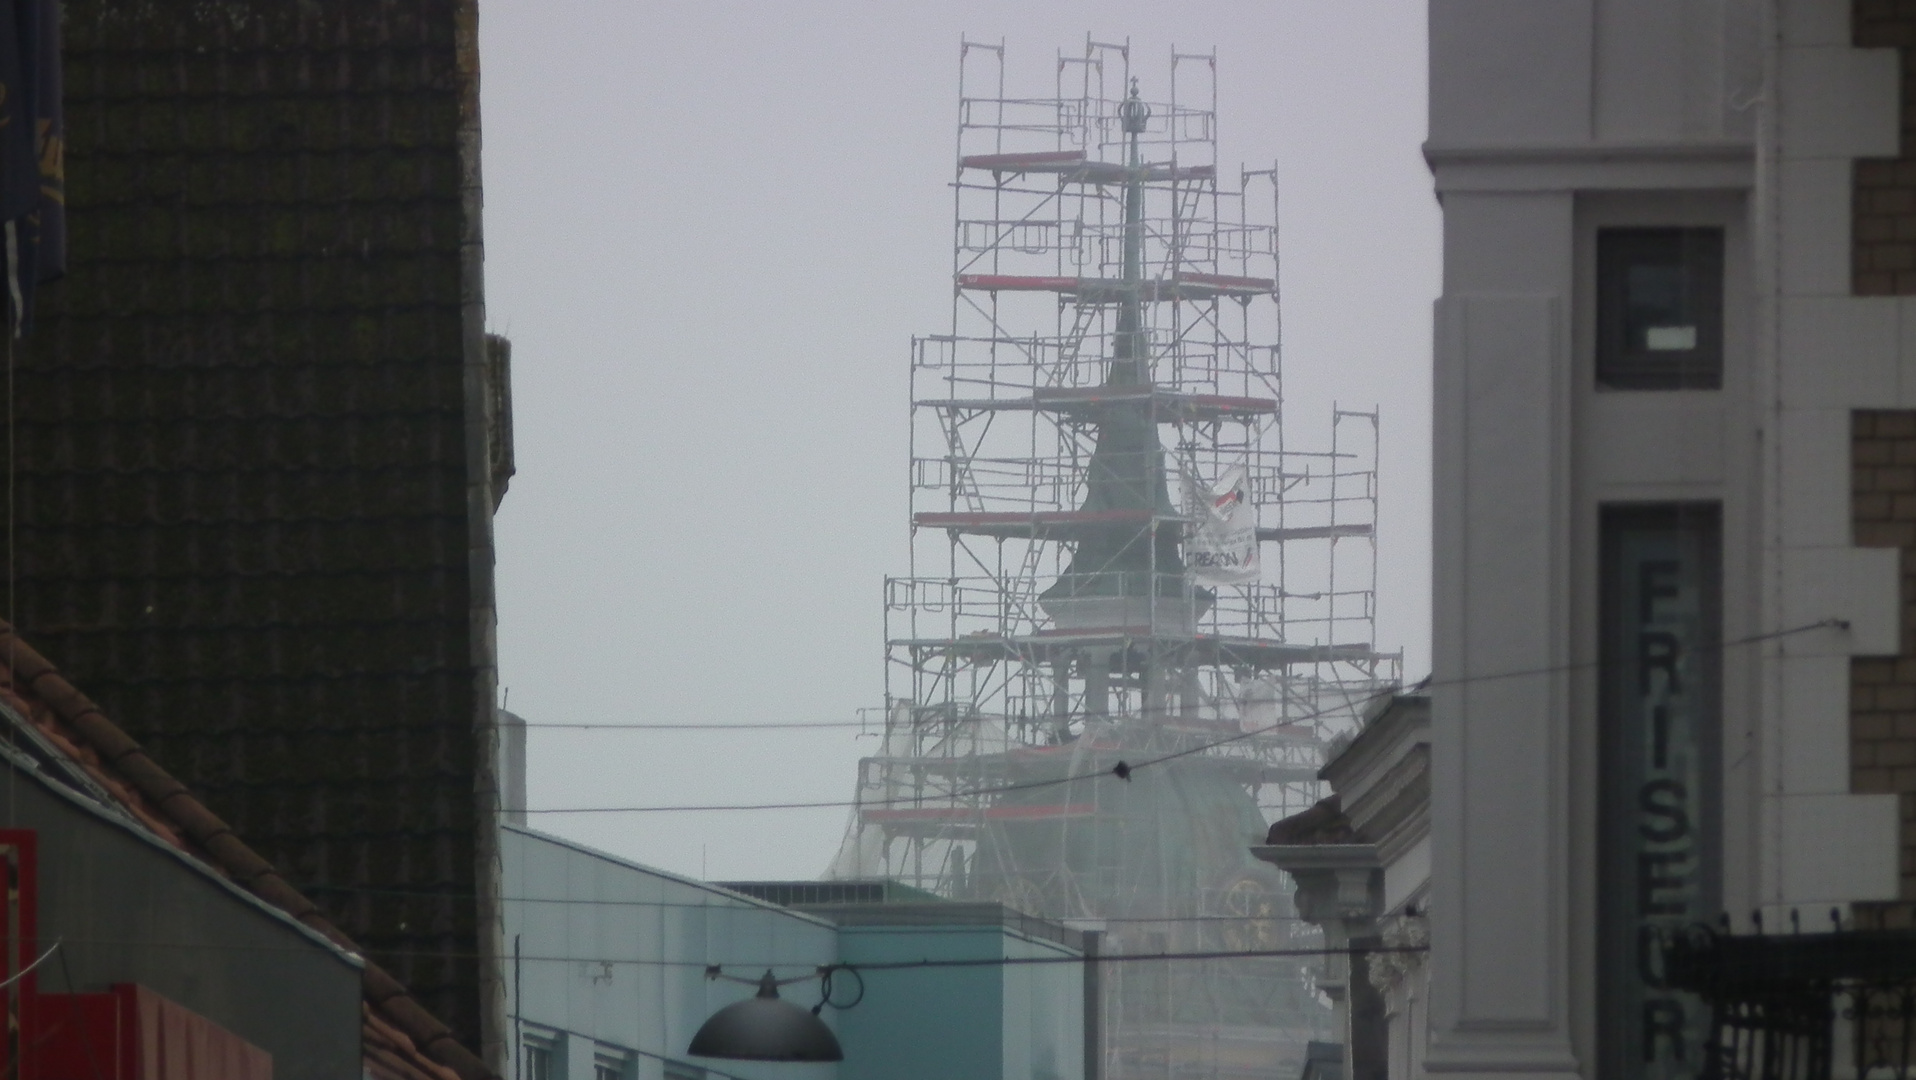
[766, 1028]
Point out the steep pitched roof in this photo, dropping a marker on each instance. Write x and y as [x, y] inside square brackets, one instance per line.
[401, 1039]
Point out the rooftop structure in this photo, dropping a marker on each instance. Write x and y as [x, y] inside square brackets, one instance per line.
[1117, 557]
[612, 962]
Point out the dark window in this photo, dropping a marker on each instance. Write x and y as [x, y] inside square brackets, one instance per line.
[1660, 309]
[539, 1061]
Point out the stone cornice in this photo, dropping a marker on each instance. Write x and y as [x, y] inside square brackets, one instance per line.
[1403, 713]
[1704, 165]
[1437, 155]
[1301, 858]
[1383, 777]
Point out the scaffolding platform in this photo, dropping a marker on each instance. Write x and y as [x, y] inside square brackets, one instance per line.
[1050, 645]
[1163, 406]
[1075, 167]
[1098, 290]
[1065, 525]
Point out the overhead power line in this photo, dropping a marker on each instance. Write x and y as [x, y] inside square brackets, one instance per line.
[1125, 770]
[715, 725]
[762, 965]
[905, 905]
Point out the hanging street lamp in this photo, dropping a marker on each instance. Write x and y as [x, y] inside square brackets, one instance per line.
[766, 1027]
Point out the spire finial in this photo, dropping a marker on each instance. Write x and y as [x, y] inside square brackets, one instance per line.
[1134, 112]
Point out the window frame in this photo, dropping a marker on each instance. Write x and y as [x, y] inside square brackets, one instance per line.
[611, 1064]
[1701, 264]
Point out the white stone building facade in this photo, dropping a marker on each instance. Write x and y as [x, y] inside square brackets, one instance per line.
[1361, 864]
[1668, 575]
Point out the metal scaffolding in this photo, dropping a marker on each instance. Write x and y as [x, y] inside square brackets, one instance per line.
[1108, 399]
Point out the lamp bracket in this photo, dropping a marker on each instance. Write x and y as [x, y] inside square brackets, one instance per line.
[824, 974]
[717, 973]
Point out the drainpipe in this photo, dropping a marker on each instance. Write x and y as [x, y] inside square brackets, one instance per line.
[1093, 1006]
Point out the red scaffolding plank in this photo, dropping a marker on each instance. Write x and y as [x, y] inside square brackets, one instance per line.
[1074, 165]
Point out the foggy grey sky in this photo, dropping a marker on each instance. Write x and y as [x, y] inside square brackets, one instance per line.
[712, 229]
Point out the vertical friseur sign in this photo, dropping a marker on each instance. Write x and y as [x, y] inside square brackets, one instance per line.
[1659, 716]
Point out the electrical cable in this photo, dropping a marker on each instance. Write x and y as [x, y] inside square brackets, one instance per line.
[1555, 669]
[449, 895]
[890, 965]
[78, 1014]
[1124, 770]
[1129, 958]
[825, 988]
[13, 611]
[23, 972]
[805, 725]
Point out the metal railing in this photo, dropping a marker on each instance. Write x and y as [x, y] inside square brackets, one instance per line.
[1828, 1006]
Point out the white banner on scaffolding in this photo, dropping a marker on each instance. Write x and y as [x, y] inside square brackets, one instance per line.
[1222, 546]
